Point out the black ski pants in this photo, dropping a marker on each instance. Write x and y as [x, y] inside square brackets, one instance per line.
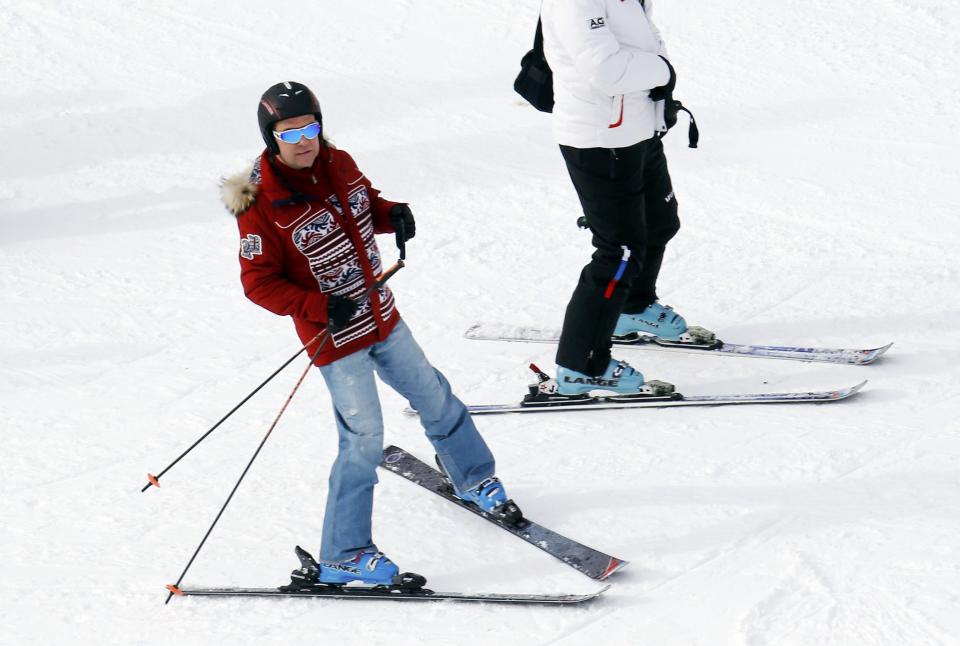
[628, 201]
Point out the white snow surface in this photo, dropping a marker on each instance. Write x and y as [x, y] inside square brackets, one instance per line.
[821, 209]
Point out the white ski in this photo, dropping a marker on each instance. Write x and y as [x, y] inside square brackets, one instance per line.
[500, 332]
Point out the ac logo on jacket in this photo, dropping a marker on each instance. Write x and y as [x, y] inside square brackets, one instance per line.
[598, 23]
[250, 246]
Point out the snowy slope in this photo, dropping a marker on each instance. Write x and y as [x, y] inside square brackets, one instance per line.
[820, 209]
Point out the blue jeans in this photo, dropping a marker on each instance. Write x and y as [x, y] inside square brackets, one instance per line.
[401, 364]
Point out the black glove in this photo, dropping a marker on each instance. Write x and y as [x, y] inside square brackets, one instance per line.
[340, 310]
[665, 91]
[401, 217]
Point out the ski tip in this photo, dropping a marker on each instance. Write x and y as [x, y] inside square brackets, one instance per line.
[590, 596]
[850, 392]
[410, 411]
[614, 565]
[472, 331]
[869, 356]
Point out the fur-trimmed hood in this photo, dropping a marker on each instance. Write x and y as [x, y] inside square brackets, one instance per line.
[239, 191]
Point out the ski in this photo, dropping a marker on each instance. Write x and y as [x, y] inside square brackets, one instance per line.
[496, 332]
[366, 592]
[406, 586]
[531, 404]
[591, 562]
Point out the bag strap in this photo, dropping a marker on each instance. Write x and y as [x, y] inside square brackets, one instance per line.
[693, 133]
[538, 38]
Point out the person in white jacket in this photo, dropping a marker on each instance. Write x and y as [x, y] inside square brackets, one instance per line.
[610, 78]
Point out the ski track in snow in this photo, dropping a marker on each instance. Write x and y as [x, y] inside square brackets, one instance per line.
[818, 210]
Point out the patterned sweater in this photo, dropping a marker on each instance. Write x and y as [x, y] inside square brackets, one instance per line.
[298, 245]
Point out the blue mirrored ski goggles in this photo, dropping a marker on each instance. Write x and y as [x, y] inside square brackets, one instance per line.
[310, 131]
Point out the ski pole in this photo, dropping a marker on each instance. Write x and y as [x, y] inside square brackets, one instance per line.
[174, 588]
[387, 275]
[402, 241]
[154, 480]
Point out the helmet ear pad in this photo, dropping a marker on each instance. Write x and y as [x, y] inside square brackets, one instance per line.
[284, 101]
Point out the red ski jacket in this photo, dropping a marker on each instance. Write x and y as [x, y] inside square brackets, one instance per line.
[297, 246]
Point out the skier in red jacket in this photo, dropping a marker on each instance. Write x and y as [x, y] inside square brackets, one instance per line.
[307, 219]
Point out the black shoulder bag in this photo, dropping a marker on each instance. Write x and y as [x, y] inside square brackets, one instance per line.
[535, 80]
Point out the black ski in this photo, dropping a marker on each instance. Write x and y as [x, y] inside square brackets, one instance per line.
[593, 563]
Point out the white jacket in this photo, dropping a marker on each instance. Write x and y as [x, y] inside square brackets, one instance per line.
[605, 57]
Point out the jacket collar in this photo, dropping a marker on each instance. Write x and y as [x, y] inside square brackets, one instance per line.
[284, 185]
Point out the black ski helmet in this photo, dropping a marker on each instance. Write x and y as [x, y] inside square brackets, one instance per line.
[283, 101]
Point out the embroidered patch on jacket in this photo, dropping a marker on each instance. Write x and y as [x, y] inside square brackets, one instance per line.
[250, 246]
[598, 23]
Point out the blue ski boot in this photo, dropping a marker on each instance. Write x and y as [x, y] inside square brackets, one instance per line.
[365, 567]
[661, 322]
[308, 576]
[619, 378]
[489, 497]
